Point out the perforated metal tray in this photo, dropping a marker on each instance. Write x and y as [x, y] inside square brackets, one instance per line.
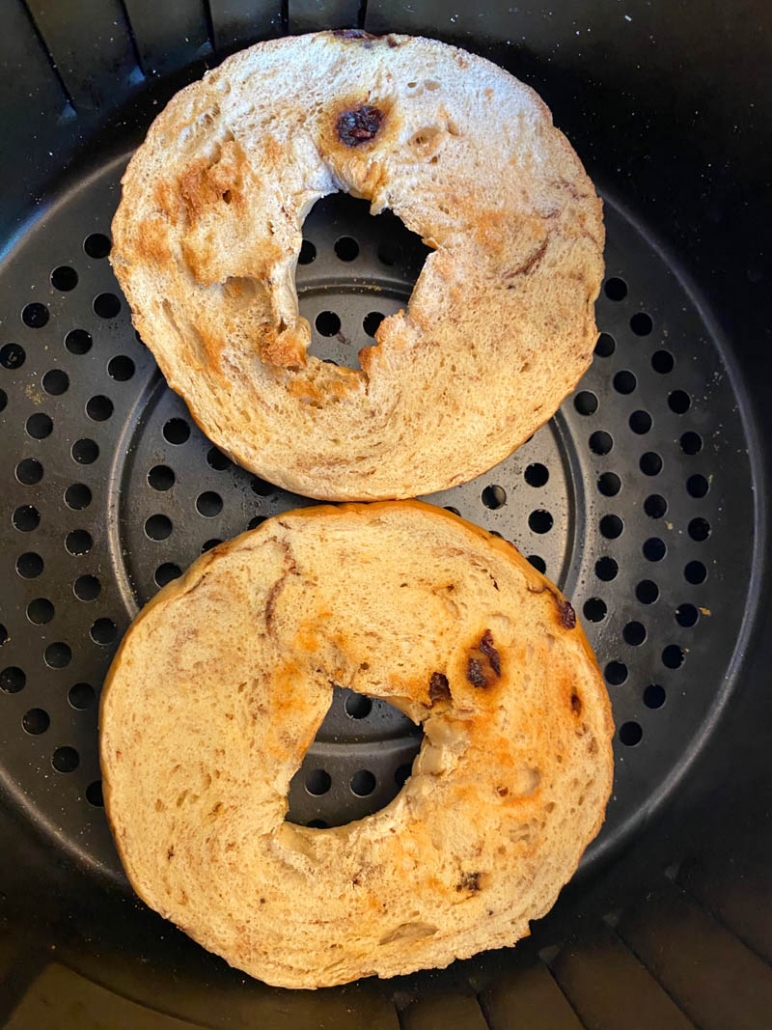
[636, 499]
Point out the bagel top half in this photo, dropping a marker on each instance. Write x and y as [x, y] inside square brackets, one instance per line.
[500, 325]
[222, 682]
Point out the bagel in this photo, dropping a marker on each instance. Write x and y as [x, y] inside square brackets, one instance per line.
[500, 326]
[222, 682]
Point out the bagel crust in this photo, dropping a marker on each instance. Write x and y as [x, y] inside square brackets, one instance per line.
[222, 682]
[500, 326]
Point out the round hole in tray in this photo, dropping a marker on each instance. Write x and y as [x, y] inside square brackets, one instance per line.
[12, 356]
[78, 496]
[586, 403]
[358, 706]
[58, 655]
[641, 323]
[87, 588]
[81, 695]
[601, 442]
[318, 782]
[65, 759]
[64, 278]
[176, 431]
[161, 477]
[107, 305]
[39, 426]
[630, 733]
[307, 253]
[605, 346]
[640, 422]
[78, 341]
[647, 591]
[594, 609]
[654, 696]
[606, 569]
[347, 248]
[94, 794]
[97, 245]
[29, 471]
[35, 315]
[687, 615]
[36, 721]
[536, 474]
[121, 368]
[29, 565]
[363, 783]
[615, 288]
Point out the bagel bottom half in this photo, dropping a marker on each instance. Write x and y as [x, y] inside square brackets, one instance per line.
[219, 688]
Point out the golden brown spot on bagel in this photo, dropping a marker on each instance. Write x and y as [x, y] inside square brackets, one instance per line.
[281, 349]
[439, 688]
[275, 153]
[212, 347]
[359, 125]
[152, 242]
[167, 198]
[576, 704]
[197, 189]
[338, 386]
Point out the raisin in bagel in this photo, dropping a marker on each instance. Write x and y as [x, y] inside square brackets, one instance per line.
[500, 325]
[219, 688]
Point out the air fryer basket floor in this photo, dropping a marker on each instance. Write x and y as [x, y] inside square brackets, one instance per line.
[636, 498]
[644, 498]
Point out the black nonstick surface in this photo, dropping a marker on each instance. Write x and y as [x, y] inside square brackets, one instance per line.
[636, 498]
[645, 499]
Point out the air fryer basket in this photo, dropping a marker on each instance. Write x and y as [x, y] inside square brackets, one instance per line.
[645, 498]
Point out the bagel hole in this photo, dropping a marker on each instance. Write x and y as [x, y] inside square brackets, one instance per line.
[358, 271]
[335, 784]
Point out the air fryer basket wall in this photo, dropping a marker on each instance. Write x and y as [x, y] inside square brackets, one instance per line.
[645, 497]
